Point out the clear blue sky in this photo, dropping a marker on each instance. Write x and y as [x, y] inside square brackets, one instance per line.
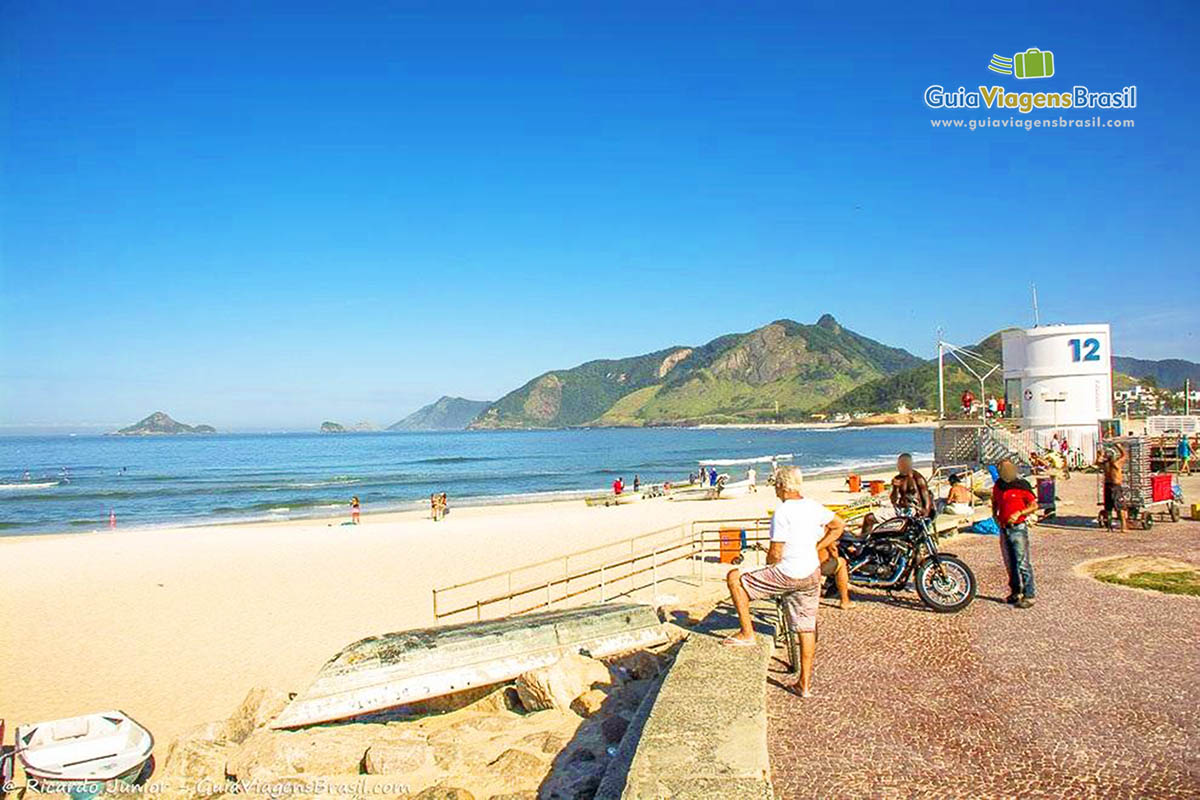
[270, 214]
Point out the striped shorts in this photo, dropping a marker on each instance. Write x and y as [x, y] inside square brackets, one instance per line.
[803, 595]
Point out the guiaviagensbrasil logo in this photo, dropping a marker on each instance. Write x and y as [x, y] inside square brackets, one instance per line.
[1033, 63]
[1024, 65]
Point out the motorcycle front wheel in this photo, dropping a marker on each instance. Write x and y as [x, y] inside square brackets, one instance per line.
[947, 586]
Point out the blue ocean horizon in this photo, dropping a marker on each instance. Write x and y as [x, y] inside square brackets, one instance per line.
[75, 482]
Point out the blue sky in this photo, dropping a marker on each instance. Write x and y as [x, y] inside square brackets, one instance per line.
[263, 215]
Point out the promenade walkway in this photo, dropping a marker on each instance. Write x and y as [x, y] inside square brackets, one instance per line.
[1094, 692]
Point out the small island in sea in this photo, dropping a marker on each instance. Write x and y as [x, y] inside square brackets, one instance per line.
[160, 424]
[358, 427]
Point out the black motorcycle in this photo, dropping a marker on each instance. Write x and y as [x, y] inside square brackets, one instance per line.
[905, 547]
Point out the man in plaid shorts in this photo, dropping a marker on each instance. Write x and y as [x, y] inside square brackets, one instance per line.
[799, 528]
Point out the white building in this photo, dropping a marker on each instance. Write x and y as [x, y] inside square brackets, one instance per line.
[1058, 378]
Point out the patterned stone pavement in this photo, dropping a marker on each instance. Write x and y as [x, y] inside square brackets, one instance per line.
[1094, 692]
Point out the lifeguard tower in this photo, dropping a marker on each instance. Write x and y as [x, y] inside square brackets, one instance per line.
[1058, 379]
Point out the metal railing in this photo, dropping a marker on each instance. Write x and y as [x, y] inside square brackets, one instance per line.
[602, 580]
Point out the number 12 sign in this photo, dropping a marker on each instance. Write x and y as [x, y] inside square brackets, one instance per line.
[1084, 349]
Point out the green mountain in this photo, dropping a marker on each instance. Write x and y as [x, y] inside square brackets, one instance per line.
[445, 414]
[1169, 373]
[160, 424]
[917, 387]
[782, 371]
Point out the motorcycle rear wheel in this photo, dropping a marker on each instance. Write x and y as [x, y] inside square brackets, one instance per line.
[947, 588]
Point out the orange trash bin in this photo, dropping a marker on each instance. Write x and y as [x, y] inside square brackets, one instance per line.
[877, 487]
[731, 545]
[855, 483]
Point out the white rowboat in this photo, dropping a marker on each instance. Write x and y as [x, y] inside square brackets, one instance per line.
[90, 749]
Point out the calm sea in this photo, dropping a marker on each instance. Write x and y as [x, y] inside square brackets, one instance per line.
[223, 478]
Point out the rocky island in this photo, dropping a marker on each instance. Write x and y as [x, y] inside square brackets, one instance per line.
[160, 424]
[358, 427]
[445, 414]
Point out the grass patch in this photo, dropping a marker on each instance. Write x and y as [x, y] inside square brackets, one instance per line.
[1182, 582]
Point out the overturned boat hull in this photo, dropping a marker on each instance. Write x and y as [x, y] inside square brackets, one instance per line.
[395, 669]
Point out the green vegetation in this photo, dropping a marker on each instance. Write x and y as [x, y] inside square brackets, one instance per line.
[1175, 582]
[780, 372]
[160, 424]
[918, 387]
[1169, 373]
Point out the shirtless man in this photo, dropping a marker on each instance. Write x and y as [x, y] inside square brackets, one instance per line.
[909, 491]
[1113, 465]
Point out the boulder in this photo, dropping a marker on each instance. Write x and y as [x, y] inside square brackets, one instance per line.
[487, 699]
[613, 728]
[334, 750]
[630, 695]
[545, 741]
[639, 665]
[516, 767]
[442, 792]
[260, 707]
[396, 758]
[195, 762]
[556, 685]
[452, 755]
[588, 703]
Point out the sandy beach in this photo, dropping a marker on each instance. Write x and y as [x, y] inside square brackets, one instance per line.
[175, 625]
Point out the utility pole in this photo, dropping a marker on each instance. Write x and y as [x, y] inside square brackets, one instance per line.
[941, 379]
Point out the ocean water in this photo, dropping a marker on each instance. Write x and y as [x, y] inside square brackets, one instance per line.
[156, 481]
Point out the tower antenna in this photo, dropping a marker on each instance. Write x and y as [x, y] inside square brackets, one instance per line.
[1036, 319]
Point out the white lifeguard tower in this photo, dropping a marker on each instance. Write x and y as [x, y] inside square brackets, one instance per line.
[1058, 378]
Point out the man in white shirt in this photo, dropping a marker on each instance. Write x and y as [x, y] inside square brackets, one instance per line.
[799, 528]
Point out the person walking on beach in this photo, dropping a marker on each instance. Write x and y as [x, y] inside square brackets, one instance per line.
[1185, 455]
[354, 510]
[637, 482]
[752, 479]
[800, 529]
[1013, 503]
[618, 486]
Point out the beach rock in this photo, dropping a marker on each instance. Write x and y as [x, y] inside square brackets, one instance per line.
[453, 755]
[556, 685]
[545, 741]
[396, 758]
[485, 724]
[442, 792]
[613, 728]
[578, 782]
[260, 707]
[639, 665]
[197, 757]
[336, 750]
[631, 695]
[485, 699]
[517, 767]
[588, 703]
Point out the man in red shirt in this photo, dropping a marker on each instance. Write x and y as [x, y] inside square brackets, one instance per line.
[1013, 502]
[618, 486]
